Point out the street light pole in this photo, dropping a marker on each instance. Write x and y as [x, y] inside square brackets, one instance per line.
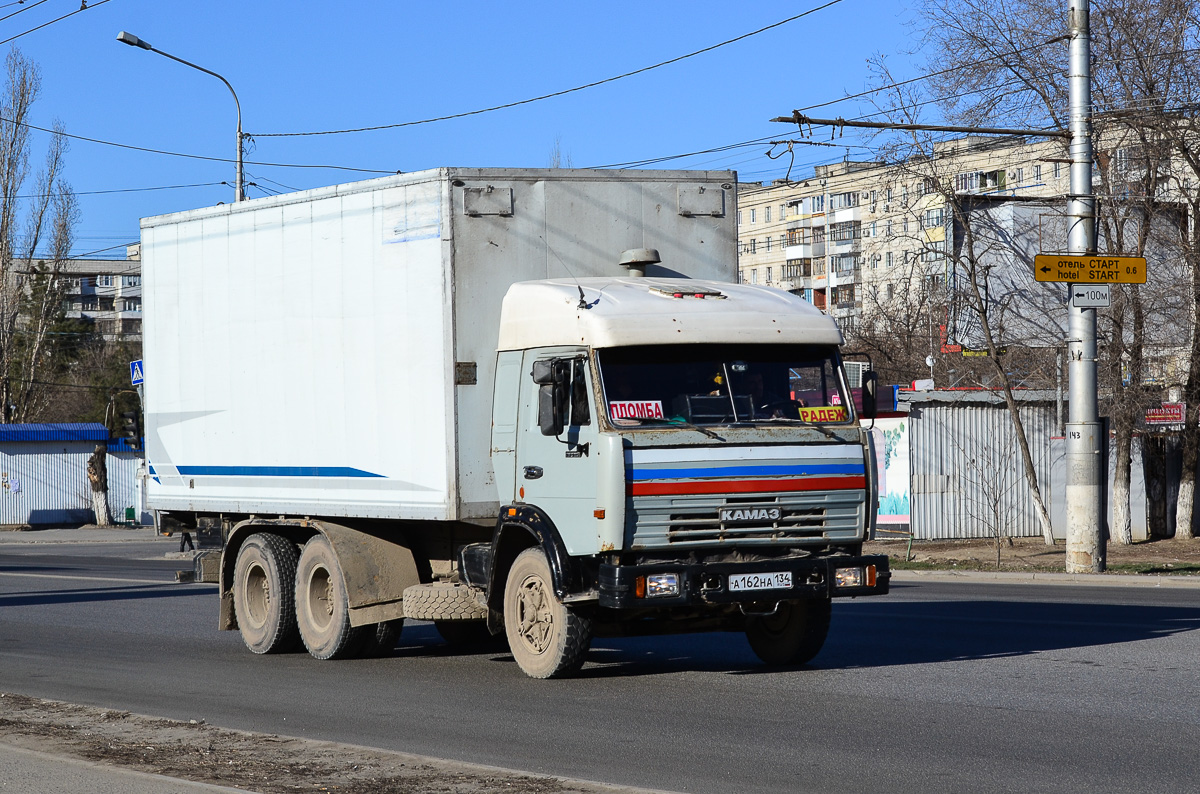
[134, 41]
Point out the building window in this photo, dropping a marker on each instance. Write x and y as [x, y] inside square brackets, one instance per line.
[891, 289]
[767, 243]
[766, 214]
[888, 229]
[818, 203]
[768, 274]
[90, 304]
[739, 217]
[754, 276]
[906, 225]
[1057, 170]
[932, 218]
[1037, 173]
[133, 304]
[104, 281]
[783, 212]
[843, 232]
[752, 216]
[1020, 174]
[131, 281]
[889, 194]
[753, 245]
[887, 259]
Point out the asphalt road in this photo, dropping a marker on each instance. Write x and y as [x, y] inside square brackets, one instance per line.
[940, 686]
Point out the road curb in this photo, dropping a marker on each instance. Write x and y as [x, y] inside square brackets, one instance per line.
[1042, 577]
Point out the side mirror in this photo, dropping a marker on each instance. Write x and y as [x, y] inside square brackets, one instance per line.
[550, 420]
[870, 394]
[543, 371]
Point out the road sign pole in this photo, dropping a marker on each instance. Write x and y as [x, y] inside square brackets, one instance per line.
[1085, 493]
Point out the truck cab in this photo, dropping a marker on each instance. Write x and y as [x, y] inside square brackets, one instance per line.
[681, 452]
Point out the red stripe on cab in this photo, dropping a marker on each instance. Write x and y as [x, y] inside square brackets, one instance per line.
[745, 486]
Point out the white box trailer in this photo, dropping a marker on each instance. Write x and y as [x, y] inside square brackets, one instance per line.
[521, 402]
[331, 352]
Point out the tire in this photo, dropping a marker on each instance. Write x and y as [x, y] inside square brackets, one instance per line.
[322, 612]
[547, 639]
[468, 634]
[794, 635]
[438, 601]
[264, 579]
[381, 638]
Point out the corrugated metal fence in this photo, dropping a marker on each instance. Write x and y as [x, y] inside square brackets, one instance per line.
[967, 475]
[43, 476]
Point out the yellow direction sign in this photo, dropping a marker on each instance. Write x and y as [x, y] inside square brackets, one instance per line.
[1078, 269]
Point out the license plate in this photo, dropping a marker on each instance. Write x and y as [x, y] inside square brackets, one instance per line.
[774, 580]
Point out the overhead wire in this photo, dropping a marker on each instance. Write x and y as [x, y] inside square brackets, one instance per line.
[564, 92]
[21, 11]
[192, 156]
[81, 9]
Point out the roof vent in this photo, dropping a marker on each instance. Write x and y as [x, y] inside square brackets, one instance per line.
[636, 259]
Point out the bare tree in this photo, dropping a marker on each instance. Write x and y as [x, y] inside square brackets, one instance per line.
[97, 471]
[999, 63]
[559, 159]
[36, 234]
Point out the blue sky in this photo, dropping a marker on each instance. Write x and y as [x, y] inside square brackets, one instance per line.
[304, 66]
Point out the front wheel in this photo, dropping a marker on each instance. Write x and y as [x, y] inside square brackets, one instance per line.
[793, 635]
[547, 639]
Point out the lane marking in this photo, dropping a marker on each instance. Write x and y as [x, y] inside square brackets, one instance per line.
[87, 578]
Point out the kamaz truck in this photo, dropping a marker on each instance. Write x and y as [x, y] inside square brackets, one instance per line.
[526, 405]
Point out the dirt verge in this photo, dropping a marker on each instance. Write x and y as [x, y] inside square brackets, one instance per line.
[261, 763]
[1032, 554]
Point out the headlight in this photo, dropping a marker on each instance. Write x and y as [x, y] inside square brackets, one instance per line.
[662, 584]
[855, 577]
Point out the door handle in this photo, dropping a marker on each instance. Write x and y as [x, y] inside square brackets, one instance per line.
[533, 472]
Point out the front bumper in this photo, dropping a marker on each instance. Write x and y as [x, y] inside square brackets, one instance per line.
[708, 583]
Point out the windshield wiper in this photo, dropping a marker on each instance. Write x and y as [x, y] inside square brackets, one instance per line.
[680, 423]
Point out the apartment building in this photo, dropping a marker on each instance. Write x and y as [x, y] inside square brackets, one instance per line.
[107, 293]
[856, 230]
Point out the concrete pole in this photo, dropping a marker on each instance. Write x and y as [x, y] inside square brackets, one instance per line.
[1085, 493]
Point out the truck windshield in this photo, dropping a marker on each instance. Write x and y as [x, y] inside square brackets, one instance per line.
[723, 384]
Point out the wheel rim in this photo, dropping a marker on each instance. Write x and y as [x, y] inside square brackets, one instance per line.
[533, 613]
[257, 587]
[320, 598]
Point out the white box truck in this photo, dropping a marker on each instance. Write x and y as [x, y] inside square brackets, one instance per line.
[522, 403]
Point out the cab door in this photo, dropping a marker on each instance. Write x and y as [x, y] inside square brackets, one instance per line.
[557, 473]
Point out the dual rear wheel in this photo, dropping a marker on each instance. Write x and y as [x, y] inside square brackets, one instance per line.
[284, 596]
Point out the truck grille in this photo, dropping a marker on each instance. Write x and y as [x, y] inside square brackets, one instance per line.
[680, 522]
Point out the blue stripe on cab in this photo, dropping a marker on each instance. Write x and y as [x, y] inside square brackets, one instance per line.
[746, 471]
[273, 471]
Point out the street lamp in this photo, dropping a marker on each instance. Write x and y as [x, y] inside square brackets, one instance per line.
[134, 41]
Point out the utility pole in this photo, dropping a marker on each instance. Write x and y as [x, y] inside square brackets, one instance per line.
[1085, 544]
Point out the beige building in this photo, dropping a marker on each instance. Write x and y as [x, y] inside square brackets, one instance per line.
[859, 229]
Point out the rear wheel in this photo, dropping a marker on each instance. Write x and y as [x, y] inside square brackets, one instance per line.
[547, 639]
[793, 635]
[263, 593]
[381, 638]
[322, 611]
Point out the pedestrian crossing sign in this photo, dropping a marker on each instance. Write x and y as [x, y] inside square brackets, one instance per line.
[135, 372]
